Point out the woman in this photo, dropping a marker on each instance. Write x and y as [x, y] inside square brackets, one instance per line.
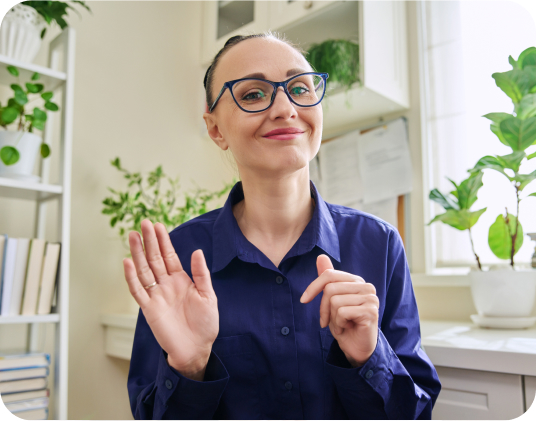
[278, 305]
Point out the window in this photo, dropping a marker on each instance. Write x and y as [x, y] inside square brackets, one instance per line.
[464, 42]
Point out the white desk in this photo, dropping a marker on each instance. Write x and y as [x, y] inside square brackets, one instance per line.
[485, 373]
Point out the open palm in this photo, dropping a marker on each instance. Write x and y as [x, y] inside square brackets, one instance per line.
[182, 315]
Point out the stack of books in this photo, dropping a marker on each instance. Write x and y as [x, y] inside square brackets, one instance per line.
[28, 275]
[23, 384]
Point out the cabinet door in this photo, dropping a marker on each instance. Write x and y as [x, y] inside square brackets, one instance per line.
[530, 391]
[478, 395]
[225, 19]
[284, 13]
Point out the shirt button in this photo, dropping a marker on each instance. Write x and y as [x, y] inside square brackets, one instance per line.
[169, 384]
[279, 279]
[285, 330]
[369, 374]
[288, 385]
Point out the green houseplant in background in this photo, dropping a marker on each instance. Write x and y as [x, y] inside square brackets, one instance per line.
[504, 297]
[54, 11]
[128, 208]
[15, 111]
[339, 58]
[457, 205]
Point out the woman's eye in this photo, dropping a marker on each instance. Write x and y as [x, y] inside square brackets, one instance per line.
[254, 96]
[298, 90]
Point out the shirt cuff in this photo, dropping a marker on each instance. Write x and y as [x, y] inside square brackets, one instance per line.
[376, 372]
[173, 385]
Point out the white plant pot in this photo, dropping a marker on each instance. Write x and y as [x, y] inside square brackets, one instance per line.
[504, 292]
[28, 146]
[20, 33]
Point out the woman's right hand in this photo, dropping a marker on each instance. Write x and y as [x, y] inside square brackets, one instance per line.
[182, 315]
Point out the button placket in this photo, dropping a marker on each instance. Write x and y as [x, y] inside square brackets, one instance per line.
[279, 280]
[285, 330]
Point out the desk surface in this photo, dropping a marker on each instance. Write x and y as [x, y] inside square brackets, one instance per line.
[465, 345]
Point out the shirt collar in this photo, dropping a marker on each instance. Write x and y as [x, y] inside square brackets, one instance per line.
[229, 241]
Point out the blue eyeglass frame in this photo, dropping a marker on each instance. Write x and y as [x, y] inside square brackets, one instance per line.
[276, 85]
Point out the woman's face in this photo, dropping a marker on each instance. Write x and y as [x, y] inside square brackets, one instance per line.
[244, 133]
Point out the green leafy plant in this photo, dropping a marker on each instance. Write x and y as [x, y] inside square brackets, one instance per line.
[54, 11]
[457, 205]
[339, 58]
[16, 109]
[128, 208]
[518, 132]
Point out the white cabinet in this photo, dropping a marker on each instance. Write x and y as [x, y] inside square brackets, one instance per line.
[283, 13]
[378, 27]
[478, 395]
[530, 391]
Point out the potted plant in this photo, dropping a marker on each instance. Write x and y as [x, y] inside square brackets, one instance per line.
[25, 25]
[504, 296]
[127, 209]
[339, 58]
[19, 149]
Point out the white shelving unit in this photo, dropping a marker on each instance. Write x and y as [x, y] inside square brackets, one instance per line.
[58, 74]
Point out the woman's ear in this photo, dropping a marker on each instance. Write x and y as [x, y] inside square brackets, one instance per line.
[214, 131]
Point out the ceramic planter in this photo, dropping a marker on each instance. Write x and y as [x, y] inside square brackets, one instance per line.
[504, 292]
[28, 147]
[20, 33]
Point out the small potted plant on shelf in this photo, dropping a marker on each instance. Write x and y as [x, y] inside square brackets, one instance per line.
[25, 25]
[127, 209]
[504, 296]
[19, 148]
[339, 58]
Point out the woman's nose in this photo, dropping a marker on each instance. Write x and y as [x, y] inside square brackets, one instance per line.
[282, 103]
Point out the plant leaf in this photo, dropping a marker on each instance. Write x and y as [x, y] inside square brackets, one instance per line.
[9, 155]
[525, 179]
[9, 115]
[468, 189]
[47, 96]
[512, 161]
[13, 70]
[444, 201]
[514, 83]
[35, 76]
[520, 134]
[527, 107]
[51, 106]
[527, 58]
[532, 155]
[459, 219]
[45, 150]
[499, 237]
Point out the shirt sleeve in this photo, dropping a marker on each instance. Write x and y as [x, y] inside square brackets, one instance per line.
[398, 381]
[157, 391]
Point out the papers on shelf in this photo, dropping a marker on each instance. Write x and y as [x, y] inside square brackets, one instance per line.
[366, 170]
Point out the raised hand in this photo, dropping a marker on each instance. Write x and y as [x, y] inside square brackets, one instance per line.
[182, 315]
[349, 306]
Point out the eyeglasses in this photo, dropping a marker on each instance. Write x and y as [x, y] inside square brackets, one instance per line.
[254, 95]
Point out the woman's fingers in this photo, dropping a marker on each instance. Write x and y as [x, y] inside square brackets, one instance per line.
[201, 274]
[152, 250]
[171, 260]
[144, 272]
[134, 285]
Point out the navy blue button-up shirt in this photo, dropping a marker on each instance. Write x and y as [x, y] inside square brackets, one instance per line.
[271, 359]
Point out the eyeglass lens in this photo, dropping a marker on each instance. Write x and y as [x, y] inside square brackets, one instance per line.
[255, 95]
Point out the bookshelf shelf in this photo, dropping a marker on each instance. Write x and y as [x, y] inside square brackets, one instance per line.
[20, 189]
[51, 78]
[58, 75]
[42, 318]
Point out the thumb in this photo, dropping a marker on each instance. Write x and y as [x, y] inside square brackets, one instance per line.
[323, 262]
[201, 274]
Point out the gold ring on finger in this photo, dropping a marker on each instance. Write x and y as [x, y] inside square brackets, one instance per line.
[152, 285]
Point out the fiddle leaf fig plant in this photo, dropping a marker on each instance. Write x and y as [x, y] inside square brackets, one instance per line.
[457, 205]
[145, 199]
[17, 108]
[518, 132]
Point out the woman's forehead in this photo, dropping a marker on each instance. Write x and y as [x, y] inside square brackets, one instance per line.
[271, 57]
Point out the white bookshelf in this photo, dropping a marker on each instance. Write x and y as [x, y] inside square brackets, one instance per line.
[59, 75]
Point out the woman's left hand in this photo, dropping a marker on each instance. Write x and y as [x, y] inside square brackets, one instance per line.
[349, 306]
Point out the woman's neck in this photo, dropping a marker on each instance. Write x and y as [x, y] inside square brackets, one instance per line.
[275, 211]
